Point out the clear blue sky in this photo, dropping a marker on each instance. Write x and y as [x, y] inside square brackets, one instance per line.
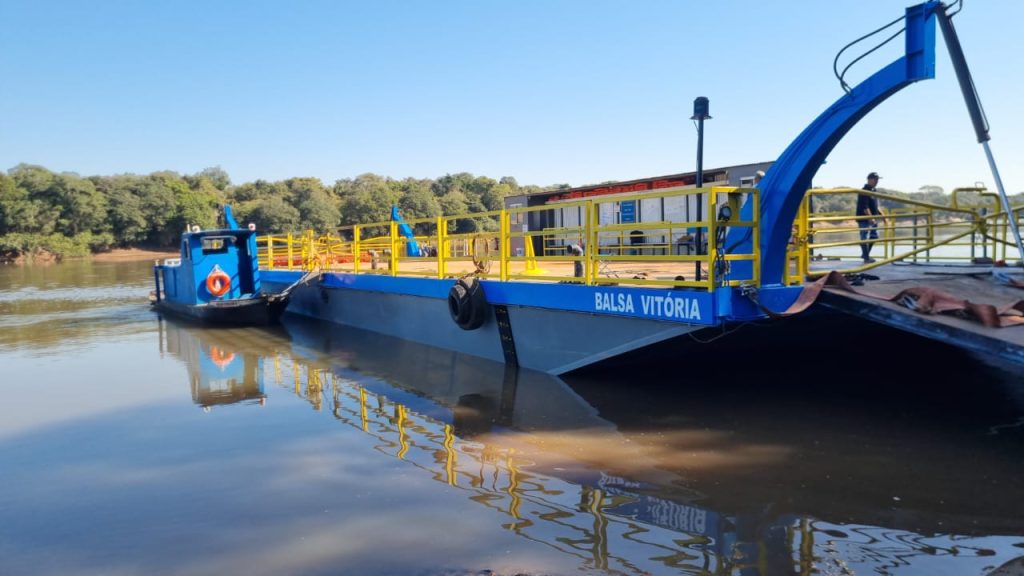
[546, 91]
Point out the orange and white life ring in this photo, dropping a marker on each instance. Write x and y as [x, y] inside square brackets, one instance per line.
[218, 282]
[220, 357]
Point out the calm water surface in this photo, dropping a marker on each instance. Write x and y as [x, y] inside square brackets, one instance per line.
[135, 445]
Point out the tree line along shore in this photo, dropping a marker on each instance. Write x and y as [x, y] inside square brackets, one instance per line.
[46, 215]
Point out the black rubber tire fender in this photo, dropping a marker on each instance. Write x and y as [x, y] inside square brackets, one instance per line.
[478, 307]
[458, 303]
[467, 304]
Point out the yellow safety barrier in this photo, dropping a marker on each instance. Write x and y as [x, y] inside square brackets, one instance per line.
[909, 230]
[579, 241]
[584, 240]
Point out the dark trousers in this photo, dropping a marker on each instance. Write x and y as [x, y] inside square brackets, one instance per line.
[867, 232]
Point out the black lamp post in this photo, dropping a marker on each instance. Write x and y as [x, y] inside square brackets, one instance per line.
[700, 114]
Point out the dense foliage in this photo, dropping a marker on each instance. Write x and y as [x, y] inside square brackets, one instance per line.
[68, 215]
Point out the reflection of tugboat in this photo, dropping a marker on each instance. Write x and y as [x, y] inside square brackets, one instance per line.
[216, 279]
[218, 373]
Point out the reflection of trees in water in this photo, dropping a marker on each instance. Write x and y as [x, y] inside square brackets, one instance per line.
[608, 523]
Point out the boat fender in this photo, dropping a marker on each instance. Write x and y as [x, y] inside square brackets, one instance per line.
[218, 282]
[467, 304]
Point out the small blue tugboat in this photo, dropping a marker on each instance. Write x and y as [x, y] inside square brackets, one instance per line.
[216, 279]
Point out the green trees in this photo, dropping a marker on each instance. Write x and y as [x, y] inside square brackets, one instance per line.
[66, 213]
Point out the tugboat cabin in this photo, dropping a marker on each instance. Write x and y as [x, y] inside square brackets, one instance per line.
[214, 265]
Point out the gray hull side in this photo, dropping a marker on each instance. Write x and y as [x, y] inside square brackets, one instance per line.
[551, 341]
[557, 342]
[415, 318]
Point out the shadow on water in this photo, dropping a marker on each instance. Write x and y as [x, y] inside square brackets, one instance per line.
[768, 452]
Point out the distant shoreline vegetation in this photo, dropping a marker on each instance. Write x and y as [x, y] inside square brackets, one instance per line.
[46, 215]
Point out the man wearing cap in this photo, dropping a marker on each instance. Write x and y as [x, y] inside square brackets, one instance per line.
[867, 209]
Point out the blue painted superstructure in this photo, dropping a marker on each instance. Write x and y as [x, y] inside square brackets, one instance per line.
[232, 251]
[216, 279]
[784, 184]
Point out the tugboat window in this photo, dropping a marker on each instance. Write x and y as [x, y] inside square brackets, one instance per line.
[217, 244]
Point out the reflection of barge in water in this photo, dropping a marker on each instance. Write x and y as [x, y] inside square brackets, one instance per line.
[719, 258]
[554, 469]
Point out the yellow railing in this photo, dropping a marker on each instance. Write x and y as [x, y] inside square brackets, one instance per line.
[577, 241]
[909, 230]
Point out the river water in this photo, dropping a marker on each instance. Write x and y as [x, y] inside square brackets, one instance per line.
[131, 444]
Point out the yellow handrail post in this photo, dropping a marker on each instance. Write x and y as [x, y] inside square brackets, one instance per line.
[757, 240]
[995, 235]
[394, 249]
[442, 229]
[712, 250]
[270, 252]
[503, 249]
[309, 249]
[887, 235]
[291, 253]
[803, 262]
[357, 253]
[931, 237]
[328, 250]
[590, 254]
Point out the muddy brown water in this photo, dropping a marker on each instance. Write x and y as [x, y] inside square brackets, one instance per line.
[131, 444]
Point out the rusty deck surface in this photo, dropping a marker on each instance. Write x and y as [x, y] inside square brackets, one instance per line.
[975, 283]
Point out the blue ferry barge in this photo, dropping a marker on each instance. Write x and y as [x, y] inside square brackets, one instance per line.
[579, 288]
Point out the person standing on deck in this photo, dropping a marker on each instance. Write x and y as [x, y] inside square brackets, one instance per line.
[868, 206]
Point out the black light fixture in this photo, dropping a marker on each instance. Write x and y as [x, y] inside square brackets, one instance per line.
[701, 109]
[701, 112]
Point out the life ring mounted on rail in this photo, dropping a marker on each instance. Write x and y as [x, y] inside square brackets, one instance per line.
[467, 304]
[218, 282]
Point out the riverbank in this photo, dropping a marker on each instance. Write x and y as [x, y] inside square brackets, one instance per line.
[130, 254]
[116, 255]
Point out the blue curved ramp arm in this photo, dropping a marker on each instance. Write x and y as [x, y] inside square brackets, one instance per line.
[784, 184]
[229, 218]
[412, 248]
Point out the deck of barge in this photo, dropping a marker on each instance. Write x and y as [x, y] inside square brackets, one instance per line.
[974, 283]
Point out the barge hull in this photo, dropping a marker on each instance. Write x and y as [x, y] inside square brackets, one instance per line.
[545, 339]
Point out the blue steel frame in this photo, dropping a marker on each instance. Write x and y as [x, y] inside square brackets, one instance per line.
[784, 184]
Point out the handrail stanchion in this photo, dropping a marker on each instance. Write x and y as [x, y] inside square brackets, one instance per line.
[803, 257]
[394, 249]
[931, 237]
[503, 244]
[757, 239]
[357, 251]
[711, 252]
[291, 251]
[442, 246]
[590, 253]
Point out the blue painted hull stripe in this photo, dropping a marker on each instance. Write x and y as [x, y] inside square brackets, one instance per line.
[682, 306]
